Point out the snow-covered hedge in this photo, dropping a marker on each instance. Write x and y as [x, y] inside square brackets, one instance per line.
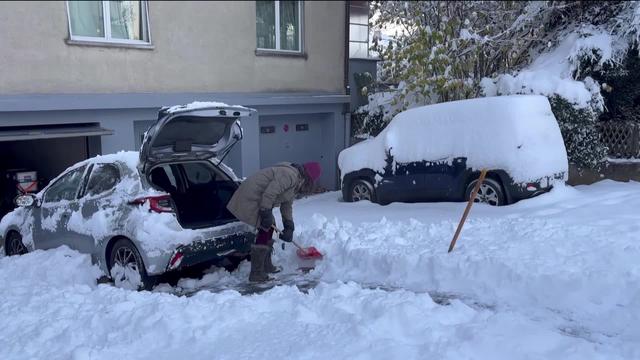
[557, 72]
[450, 50]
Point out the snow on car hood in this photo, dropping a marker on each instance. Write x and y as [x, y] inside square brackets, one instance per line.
[518, 134]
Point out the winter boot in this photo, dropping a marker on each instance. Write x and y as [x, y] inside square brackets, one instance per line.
[259, 253]
[269, 268]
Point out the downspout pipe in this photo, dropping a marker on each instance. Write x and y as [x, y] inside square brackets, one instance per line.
[346, 108]
[347, 17]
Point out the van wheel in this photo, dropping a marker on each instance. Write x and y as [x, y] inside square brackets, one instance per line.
[126, 267]
[361, 189]
[490, 192]
[14, 245]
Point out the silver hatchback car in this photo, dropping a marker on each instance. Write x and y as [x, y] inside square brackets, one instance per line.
[142, 214]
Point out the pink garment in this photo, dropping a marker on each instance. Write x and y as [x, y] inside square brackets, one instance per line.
[313, 169]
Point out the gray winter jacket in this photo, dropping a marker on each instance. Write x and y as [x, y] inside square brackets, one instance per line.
[271, 187]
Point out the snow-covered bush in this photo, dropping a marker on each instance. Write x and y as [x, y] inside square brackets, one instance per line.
[370, 119]
[368, 122]
[566, 50]
[441, 50]
[580, 134]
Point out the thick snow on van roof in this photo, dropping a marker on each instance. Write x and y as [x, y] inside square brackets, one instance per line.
[518, 134]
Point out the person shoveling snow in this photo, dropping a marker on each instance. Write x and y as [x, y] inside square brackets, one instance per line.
[253, 204]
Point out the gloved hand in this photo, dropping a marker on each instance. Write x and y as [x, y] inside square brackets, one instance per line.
[287, 232]
[266, 219]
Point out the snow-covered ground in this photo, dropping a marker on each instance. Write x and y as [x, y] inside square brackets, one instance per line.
[555, 277]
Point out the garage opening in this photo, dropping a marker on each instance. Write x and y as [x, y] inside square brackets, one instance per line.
[31, 156]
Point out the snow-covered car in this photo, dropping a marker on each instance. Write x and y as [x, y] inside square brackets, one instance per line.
[141, 214]
[436, 152]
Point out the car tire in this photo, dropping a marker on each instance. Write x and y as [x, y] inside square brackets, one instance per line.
[13, 244]
[361, 189]
[126, 267]
[490, 192]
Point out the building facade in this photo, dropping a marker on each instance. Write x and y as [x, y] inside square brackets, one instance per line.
[88, 77]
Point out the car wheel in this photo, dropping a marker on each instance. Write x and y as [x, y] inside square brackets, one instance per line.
[361, 190]
[14, 244]
[490, 192]
[126, 267]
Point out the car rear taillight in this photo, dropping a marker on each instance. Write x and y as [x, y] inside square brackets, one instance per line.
[532, 187]
[159, 204]
[175, 260]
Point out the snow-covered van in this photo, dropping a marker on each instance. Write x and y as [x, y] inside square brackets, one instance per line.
[436, 153]
[141, 214]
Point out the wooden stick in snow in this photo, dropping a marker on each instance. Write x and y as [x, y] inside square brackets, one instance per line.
[472, 197]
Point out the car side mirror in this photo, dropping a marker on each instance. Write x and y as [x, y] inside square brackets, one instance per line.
[26, 200]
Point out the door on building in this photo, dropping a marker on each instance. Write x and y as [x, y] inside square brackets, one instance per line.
[298, 139]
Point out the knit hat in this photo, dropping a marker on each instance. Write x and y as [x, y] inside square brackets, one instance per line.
[313, 169]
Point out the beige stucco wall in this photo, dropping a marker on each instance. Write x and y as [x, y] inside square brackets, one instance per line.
[198, 47]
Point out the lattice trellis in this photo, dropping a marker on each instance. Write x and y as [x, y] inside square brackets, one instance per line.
[622, 139]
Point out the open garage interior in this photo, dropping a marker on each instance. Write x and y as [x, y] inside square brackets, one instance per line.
[44, 152]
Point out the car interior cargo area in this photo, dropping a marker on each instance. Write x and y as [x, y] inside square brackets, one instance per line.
[199, 190]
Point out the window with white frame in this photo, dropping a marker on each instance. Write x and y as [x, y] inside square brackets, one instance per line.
[123, 22]
[358, 29]
[279, 25]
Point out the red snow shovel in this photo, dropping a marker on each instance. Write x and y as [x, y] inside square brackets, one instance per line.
[310, 253]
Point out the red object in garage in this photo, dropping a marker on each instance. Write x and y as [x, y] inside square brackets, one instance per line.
[285, 128]
[27, 181]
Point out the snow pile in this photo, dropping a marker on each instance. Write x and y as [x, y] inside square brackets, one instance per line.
[59, 268]
[555, 277]
[196, 105]
[566, 258]
[554, 72]
[518, 134]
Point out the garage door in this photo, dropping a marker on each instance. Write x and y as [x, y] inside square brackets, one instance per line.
[48, 150]
[296, 138]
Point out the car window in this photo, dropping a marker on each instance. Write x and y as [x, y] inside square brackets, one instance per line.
[66, 188]
[198, 173]
[104, 177]
[163, 177]
[171, 170]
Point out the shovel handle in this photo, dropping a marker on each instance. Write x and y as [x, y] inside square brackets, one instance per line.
[472, 197]
[293, 242]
